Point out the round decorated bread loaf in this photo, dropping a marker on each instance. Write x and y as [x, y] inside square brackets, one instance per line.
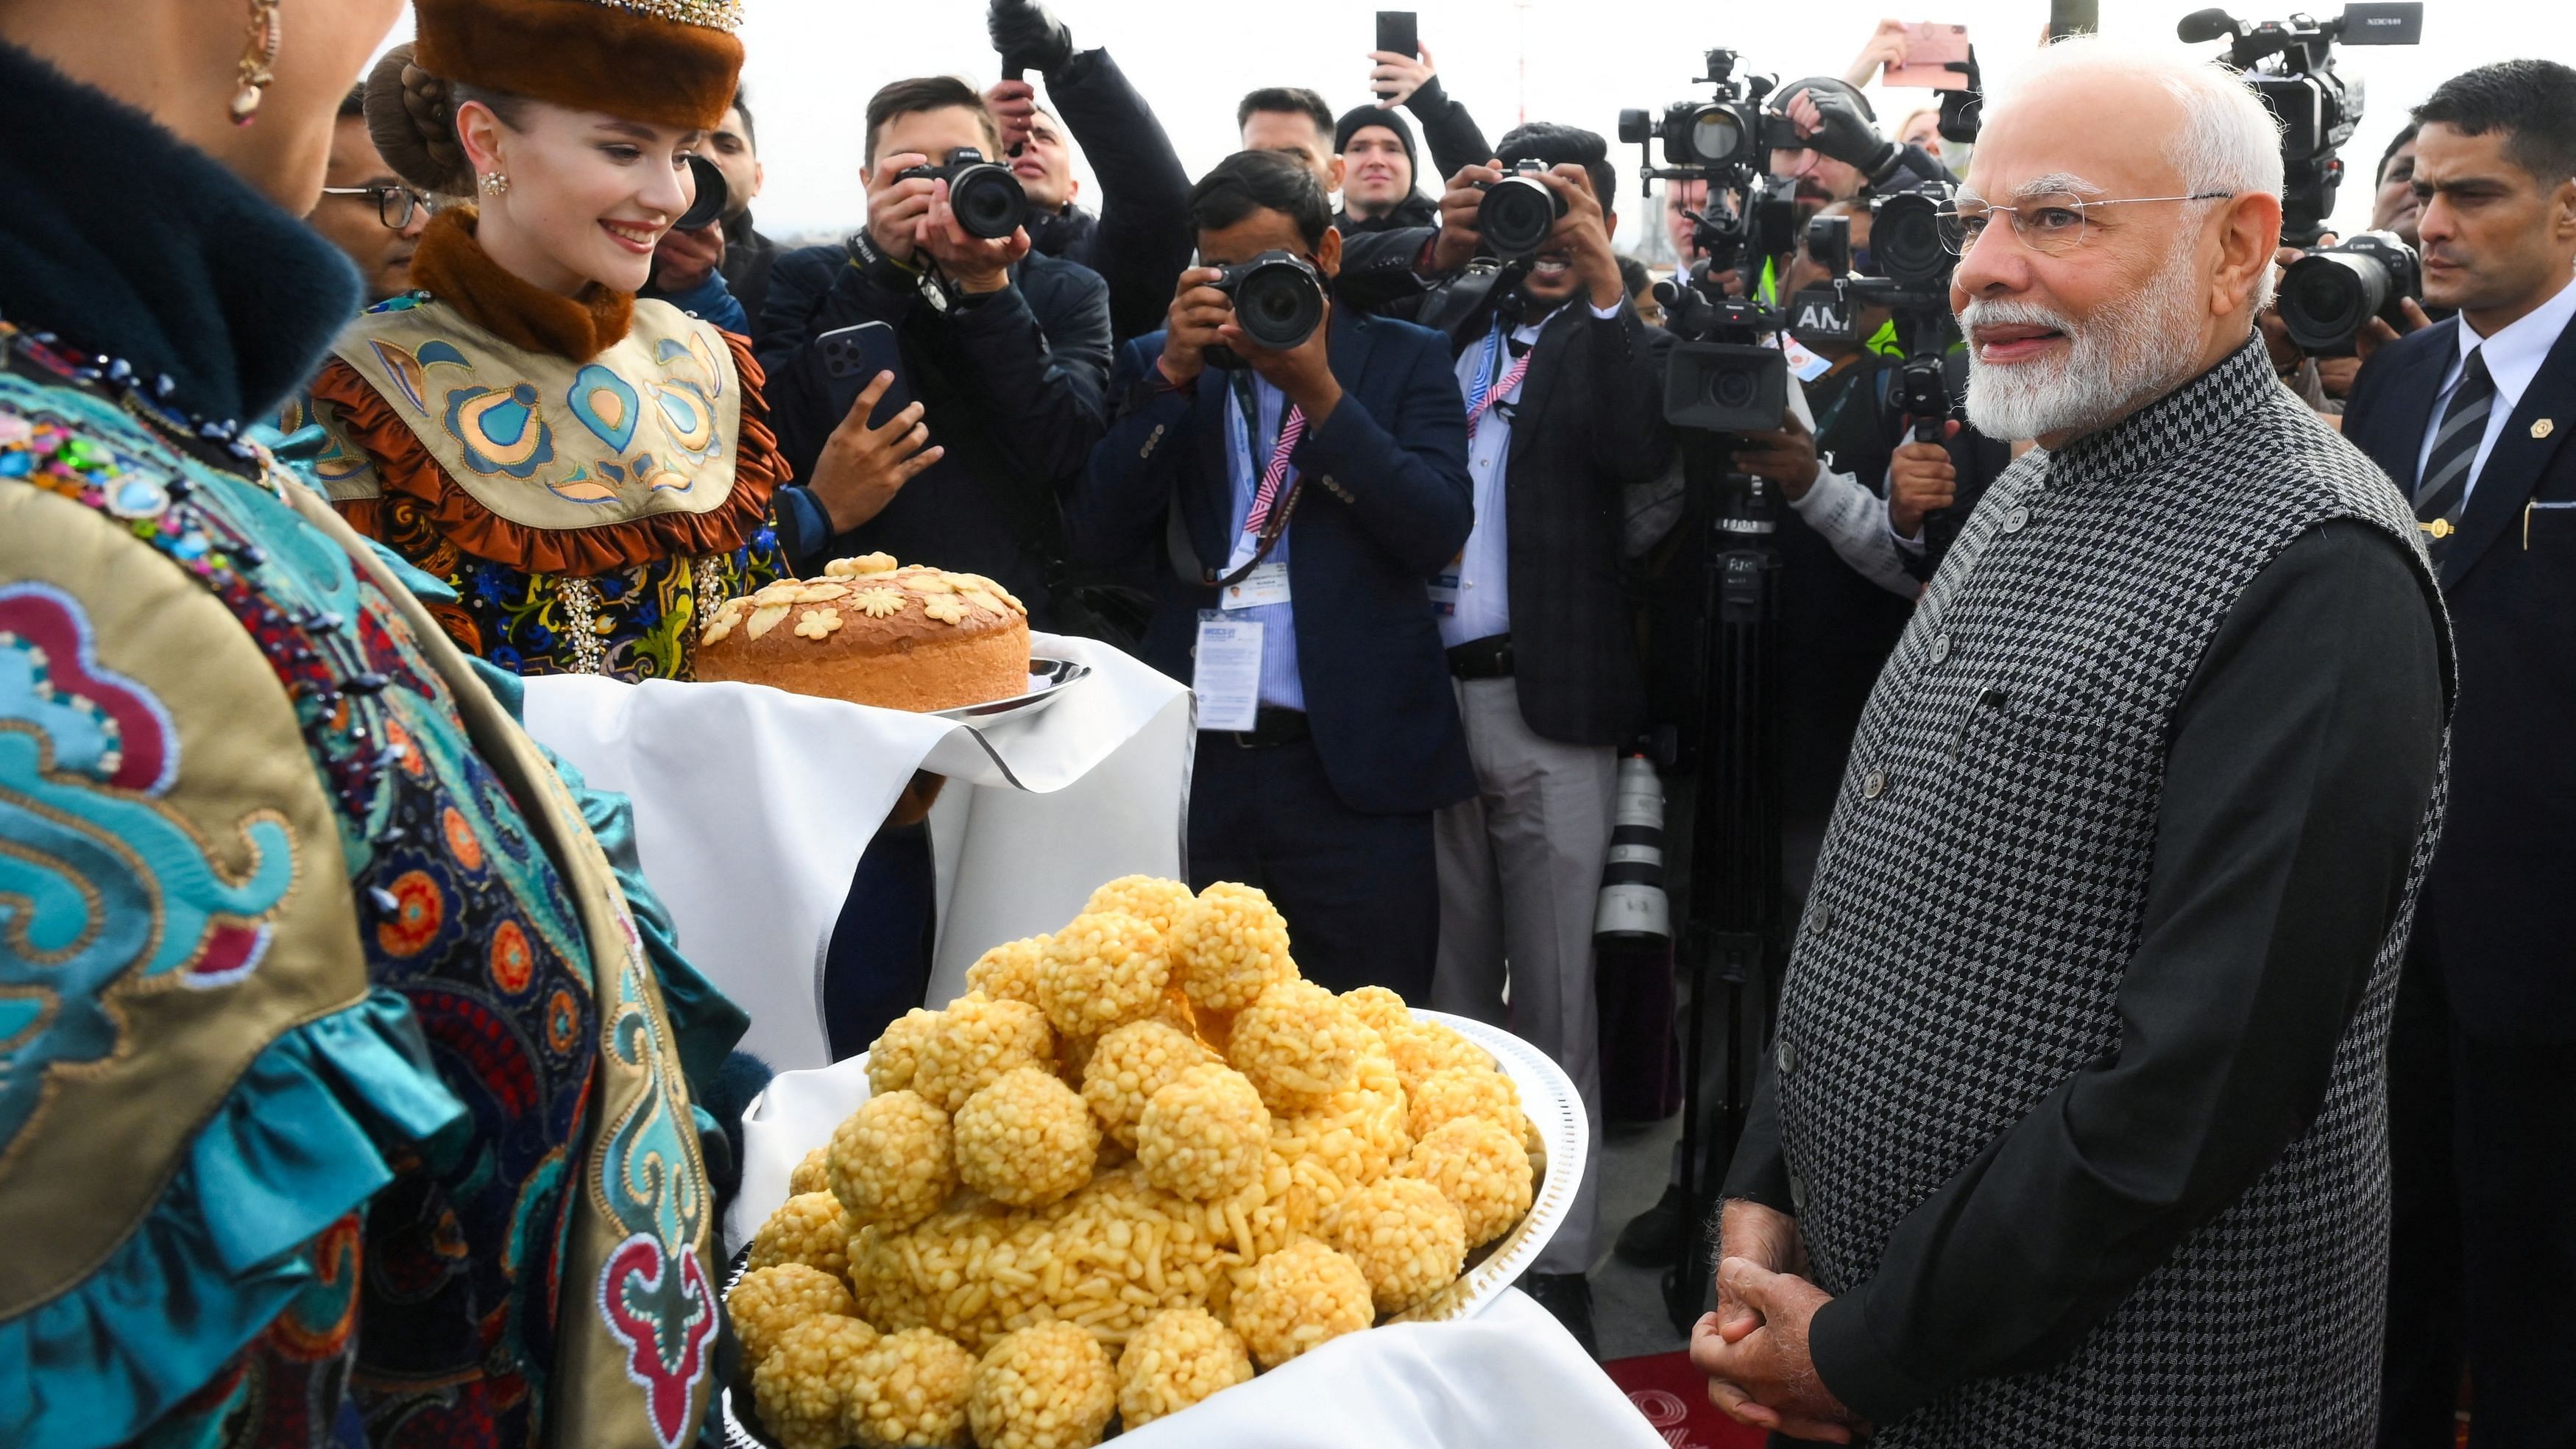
[874, 632]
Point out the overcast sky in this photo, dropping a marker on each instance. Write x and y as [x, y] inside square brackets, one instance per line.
[813, 63]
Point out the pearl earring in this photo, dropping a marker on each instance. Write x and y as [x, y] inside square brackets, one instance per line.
[494, 183]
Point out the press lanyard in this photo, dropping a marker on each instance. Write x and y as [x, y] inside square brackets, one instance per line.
[1490, 389]
[1270, 512]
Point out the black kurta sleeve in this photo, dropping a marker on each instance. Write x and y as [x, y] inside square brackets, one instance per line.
[2302, 758]
[1758, 1172]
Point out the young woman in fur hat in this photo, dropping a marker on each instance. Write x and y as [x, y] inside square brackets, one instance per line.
[591, 474]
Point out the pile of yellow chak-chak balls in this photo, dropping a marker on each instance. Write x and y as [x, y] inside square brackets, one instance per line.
[1137, 1158]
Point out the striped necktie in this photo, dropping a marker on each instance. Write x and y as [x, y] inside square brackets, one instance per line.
[2448, 468]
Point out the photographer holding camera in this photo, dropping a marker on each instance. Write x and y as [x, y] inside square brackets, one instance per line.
[1005, 353]
[1140, 237]
[1563, 388]
[2471, 416]
[1303, 467]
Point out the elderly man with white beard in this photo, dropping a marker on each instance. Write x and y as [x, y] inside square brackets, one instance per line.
[2074, 1132]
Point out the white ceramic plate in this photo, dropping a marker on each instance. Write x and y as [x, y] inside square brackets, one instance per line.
[1047, 679]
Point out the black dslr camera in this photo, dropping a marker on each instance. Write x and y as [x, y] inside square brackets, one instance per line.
[986, 197]
[2290, 64]
[1278, 301]
[1519, 212]
[2329, 295]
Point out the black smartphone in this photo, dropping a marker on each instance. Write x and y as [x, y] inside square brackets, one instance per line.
[2073, 17]
[852, 358]
[1396, 32]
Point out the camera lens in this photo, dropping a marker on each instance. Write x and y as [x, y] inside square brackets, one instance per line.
[1905, 241]
[711, 198]
[2327, 297]
[1716, 134]
[1731, 389]
[988, 200]
[1279, 304]
[1517, 215]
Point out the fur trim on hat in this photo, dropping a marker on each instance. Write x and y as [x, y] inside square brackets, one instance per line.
[584, 54]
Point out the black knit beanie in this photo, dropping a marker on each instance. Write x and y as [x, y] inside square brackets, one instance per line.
[1360, 118]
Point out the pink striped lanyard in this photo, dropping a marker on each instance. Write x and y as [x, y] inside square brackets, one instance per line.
[1291, 429]
[1497, 389]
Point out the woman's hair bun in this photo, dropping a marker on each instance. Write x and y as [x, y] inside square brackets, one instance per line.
[411, 115]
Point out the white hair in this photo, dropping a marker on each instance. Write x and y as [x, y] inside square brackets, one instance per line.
[2229, 140]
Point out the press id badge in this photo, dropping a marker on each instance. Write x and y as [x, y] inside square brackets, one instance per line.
[1806, 365]
[1226, 674]
[1266, 584]
[1443, 588]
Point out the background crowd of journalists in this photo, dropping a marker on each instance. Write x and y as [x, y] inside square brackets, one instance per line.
[1796, 311]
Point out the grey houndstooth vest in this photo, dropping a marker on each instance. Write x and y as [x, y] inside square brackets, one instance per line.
[1981, 890]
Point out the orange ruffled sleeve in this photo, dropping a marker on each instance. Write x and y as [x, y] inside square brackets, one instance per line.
[406, 469]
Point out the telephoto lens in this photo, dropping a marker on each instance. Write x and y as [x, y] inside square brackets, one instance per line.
[1632, 908]
[1278, 302]
[986, 197]
[1518, 213]
[2328, 296]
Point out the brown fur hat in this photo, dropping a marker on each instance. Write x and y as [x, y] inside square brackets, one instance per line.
[670, 62]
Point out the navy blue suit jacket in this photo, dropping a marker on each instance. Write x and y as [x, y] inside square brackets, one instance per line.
[1386, 502]
[2498, 907]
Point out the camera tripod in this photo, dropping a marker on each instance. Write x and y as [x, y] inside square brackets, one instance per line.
[1735, 830]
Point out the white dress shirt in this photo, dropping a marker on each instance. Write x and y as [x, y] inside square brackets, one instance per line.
[1247, 454]
[1483, 607]
[2514, 356]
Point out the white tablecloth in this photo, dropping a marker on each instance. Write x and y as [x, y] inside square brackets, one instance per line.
[752, 807]
[1511, 1375]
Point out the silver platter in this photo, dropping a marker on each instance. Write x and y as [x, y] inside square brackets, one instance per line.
[1048, 678]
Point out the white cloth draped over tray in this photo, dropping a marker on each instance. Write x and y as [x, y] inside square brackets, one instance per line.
[752, 807]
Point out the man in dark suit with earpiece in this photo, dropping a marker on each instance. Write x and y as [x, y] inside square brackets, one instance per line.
[2471, 417]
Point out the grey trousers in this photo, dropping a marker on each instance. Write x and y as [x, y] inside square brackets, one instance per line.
[1520, 870]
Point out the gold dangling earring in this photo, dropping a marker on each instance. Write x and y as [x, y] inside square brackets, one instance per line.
[258, 55]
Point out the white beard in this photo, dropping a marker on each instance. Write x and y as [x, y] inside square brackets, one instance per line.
[2130, 352]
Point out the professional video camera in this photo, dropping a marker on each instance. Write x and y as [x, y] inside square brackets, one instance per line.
[2290, 64]
[986, 196]
[1718, 378]
[1915, 263]
[2329, 295]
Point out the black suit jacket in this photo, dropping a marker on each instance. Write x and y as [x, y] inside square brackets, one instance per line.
[2498, 906]
[1385, 503]
[1141, 239]
[1010, 385]
[1589, 422]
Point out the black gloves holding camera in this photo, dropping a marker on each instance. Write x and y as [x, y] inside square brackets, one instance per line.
[1026, 35]
[1844, 132]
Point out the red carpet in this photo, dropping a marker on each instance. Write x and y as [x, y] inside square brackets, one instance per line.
[1674, 1398]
